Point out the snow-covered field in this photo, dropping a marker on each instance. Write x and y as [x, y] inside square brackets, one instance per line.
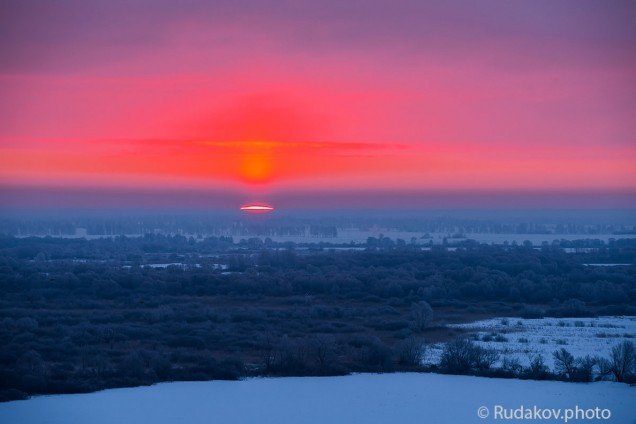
[364, 398]
[523, 339]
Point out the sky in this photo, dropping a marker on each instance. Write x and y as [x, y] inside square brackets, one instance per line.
[269, 99]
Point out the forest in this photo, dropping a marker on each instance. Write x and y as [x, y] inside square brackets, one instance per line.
[81, 315]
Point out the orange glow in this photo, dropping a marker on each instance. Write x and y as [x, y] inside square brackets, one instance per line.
[278, 164]
[256, 166]
[271, 142]
[260, 99]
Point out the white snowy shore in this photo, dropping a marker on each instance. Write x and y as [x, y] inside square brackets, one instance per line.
[523, 339]
[362, 398]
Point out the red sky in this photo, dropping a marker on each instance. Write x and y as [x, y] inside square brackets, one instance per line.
[266, 96]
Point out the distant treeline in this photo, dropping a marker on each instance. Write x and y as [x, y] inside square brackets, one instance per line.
[130, 248]
[78, 315]
[281, 224]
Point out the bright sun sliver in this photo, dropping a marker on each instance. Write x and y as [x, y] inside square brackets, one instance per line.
[257, 208]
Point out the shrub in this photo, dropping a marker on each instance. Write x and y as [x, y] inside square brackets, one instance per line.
[564, 363]
[537, 370]
[584, 370]
[621, 362]
[512, 366]
[410, 352]
[377, 356]
[462, 356]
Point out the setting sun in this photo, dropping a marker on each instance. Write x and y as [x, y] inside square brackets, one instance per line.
[257, 208]
[256, 167]
[455, 211]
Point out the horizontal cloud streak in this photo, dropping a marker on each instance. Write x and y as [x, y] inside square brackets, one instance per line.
[21, 197]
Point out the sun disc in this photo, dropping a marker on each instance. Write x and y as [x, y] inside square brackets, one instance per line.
[256, 208]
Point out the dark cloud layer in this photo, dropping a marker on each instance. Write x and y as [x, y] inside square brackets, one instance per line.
[71, 35]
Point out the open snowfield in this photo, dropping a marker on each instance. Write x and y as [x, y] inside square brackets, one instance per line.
[523, 339]
[363, 398]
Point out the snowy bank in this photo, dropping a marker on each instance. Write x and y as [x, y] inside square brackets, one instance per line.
[362, 398]
[523, 339]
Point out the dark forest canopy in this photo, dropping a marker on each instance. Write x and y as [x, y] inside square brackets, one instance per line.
[216, 266]
[81, 315]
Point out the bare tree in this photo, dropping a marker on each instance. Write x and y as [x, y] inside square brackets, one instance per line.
[422, 315]
[512, 365]
[290, 356]
[585, 368]
[564, 363]
[410, 352]
[462, 356]
[621, 362]
[537, 370]
[322, 350]
[266, 350]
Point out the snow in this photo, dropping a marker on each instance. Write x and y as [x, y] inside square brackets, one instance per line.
[527, 338]
[363, 398]
[174, 264]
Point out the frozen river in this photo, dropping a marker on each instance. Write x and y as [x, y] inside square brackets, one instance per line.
[363, 398]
